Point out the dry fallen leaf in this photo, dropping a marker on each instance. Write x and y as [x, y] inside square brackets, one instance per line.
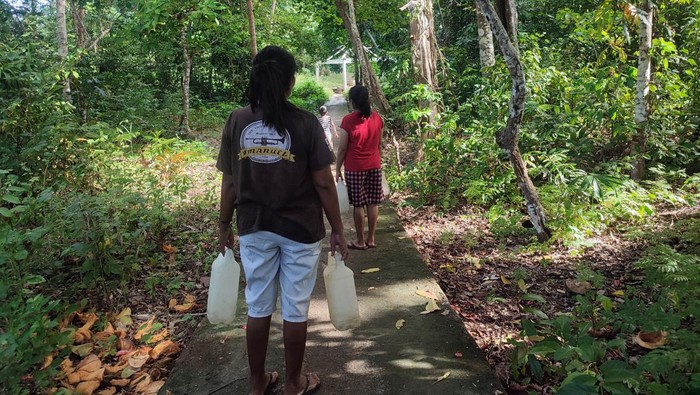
[83, 349]
[83, 333]
[47, 361]
[400, 323]
[139, 358]
[87, 387]
[108, 391]
[119, 382]
[371, 270]
[426, 294]
[158, 337]
[144, 329]
[430, 307]
[521, 285]
[169, 249]
[140, 383]
[651, 340]
[619, 293]
[577, 287]
[153, 388]
[445, 312]
[172, 303]
[124, 318]
[164, 348]
[504, 280]
[444, 376]
[186, 306]
[117, 368]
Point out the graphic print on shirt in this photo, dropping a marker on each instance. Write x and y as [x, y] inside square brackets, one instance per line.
[262, 144]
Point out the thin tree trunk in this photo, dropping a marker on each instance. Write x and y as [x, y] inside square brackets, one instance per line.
[81, 38]
[507, 139]
[274, 7]
[187, 64]
[251, 29]
[62, 36]
[424, 53]
[346, 8]
[508, 14]
[486, 51]
[641, 105]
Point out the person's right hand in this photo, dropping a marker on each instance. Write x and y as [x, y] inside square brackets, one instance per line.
[339, 244]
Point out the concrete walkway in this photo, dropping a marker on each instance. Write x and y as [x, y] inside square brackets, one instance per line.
[376, 358]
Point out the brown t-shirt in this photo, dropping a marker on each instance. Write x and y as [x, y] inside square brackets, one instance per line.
[272, 173]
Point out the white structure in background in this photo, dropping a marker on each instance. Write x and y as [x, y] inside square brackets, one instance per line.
[339, 57]
[342, 56]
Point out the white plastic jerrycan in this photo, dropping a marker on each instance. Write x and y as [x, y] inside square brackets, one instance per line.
[223, 289]
[343, 199]
[341, 294]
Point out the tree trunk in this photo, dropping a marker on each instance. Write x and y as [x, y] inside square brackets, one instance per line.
[508, 14]
[187, 64]
[424, 53]
[62, 36]
[507, 139]
[346, 8]
[81, 39]
[273, 8]
[486, 52]
[641, 105]
[251, 29]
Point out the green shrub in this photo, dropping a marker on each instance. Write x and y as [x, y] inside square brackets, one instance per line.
[309, 96]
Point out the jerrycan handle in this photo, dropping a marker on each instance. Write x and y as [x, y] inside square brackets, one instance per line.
[339, 260]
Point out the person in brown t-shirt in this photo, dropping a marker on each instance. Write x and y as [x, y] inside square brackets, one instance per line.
[277, 175]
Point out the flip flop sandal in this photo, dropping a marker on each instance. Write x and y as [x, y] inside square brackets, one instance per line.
[307, 390]
[274, 378]
[354, 246]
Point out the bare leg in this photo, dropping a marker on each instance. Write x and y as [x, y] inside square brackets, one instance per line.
[359, 217]
[257, 336]
[372, 216]
[294, 347]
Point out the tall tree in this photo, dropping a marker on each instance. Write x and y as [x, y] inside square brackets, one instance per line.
[508, 14]
[486, 51]
[424, 49]
[62, 38]
[251, 27]
[507, 139]
[346, 9]
[645, 14]
[187, 66]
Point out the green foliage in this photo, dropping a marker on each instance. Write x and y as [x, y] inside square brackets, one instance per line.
[309, 95]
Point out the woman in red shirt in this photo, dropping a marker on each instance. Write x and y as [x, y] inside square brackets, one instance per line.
[359, 152]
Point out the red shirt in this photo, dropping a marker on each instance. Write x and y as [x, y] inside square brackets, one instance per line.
[364, 135]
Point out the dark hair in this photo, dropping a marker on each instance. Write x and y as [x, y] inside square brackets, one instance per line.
[270, 79]
[359, 95]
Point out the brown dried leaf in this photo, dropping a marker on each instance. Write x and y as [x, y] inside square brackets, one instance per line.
[83, 349]
[577, 287]
[172, 303]
[108, 391]
[400, 323]
[187, 305]
[47, 362]
[430, 307]
[164, 348]
[426, 294]
[651, 340]
[124, 318]
[140, 383]
[153, 388]
[158, 337]
[119, 382]
[87, 387]
[144, 329]
[116, 369]
[444, 376]
[125, 344]
[139, 358]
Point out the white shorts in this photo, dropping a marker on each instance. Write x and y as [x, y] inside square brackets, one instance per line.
[270, 262]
